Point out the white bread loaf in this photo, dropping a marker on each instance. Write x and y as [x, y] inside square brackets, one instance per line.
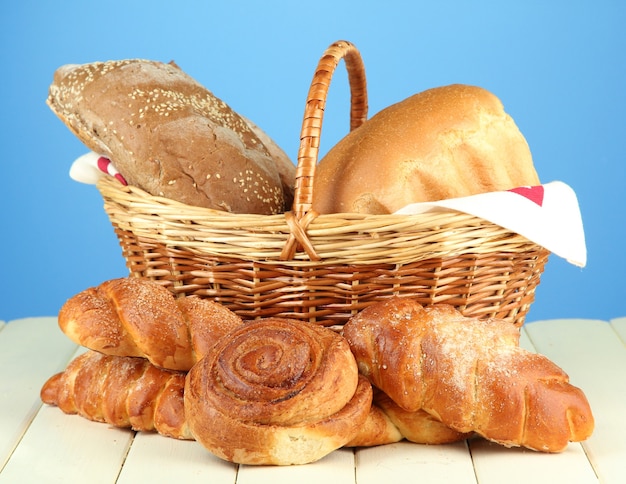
[442, 143]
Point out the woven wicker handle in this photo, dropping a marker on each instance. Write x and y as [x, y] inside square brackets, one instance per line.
[314, 113]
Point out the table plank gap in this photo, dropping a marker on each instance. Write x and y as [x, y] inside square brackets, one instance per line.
[67, 449]
[525, 341]
[408, 462]
[187, 461]
[495, 464]
[619, 326]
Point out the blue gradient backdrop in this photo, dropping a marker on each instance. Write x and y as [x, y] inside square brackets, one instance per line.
[559, 67]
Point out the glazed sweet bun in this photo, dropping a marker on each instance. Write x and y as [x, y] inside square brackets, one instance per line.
[446, 142]
[276, 391]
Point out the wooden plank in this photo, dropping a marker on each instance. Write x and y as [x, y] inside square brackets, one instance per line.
[495, 464]
[68, 449]
[408, 462]
[61, 448]
[336, 468]
[31, 350]
[619, 326]
[186, 461]
[595, 358]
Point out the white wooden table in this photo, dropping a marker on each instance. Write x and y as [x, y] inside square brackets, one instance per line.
[41, 444]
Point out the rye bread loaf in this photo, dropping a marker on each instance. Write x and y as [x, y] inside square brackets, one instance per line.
[168, 135]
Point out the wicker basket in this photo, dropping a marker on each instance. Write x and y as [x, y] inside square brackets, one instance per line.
[324, 268]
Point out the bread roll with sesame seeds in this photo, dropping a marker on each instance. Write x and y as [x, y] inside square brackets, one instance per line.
[168, 135]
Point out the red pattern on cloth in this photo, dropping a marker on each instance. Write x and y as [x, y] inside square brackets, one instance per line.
[105, 165]
[534, 194]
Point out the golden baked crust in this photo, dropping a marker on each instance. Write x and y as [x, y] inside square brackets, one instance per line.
[276, 391]
[469, 374]
[121, 391]
[446, 142]
[167, 134]
[138, 317]
[387, 422]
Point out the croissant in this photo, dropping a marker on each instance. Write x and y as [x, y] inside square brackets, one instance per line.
[276, 391]
[469, 374]
[121, 391]
[138, 317]
[387, 423]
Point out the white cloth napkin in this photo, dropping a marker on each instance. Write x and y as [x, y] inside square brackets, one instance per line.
[89, 167]
[548, 215]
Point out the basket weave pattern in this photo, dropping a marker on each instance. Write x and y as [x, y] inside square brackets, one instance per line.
[324, 268]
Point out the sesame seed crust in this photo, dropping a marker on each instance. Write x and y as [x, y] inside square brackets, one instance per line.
[170, 136]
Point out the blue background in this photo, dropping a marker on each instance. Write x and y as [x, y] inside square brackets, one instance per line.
[559, 67]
